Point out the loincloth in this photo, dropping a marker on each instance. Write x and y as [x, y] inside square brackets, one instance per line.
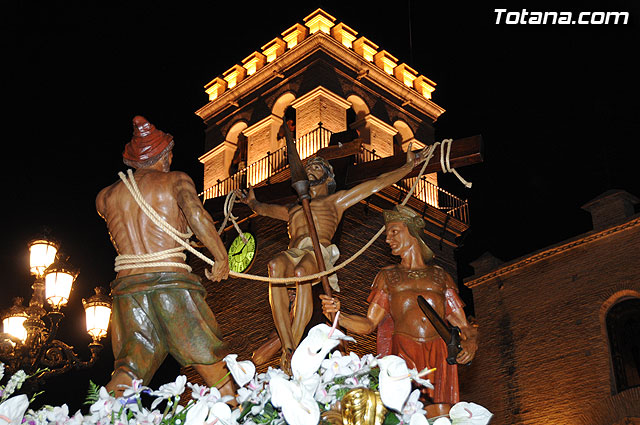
[159, 313]
[330, 255]
[430, 354]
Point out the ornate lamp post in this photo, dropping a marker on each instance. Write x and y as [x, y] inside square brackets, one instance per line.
[29, 339]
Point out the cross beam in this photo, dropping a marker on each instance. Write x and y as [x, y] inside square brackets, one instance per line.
[465, 151]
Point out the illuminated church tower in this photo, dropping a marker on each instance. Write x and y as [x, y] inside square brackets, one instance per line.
[336, 87]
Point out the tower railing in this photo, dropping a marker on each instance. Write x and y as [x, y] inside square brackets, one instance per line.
[263, 170]
[426, 191]
[275, 162]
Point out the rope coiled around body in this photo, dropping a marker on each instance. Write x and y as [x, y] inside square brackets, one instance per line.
[180, 237]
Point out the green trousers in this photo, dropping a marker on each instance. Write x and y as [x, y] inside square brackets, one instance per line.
[155, 314]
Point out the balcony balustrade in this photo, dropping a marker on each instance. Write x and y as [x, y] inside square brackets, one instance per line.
[270, 168]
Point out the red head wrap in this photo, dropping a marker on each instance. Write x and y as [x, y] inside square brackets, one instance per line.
[147, 143]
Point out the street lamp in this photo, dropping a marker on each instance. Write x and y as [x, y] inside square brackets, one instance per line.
[29, 339]
[98, 312]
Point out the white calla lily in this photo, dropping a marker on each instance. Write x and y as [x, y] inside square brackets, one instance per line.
[297, 405]
[197, 414]
[464, 413]
[221, 413]
[314, 348]
[12, 409]
[242, 372]
[419, 419]
[395, 384]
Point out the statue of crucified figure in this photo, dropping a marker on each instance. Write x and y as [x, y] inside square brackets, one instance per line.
[327, 208]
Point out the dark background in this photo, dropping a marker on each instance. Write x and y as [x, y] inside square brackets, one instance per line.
[556, 105]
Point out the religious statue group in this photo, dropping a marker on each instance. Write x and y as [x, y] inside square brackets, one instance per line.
[159, 306]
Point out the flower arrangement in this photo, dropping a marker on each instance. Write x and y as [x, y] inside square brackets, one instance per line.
[319, 382]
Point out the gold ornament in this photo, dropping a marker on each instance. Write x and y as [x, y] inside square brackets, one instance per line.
[362, 406]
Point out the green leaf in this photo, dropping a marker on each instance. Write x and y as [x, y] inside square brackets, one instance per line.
[93, 394]
[374, 382]
[33, 397]
[391, 419]
[246, 409]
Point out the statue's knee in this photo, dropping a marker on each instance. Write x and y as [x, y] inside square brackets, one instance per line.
[299, 271]
[275, 267]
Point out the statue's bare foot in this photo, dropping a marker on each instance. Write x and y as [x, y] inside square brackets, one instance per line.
[285, 360]
[267, 350]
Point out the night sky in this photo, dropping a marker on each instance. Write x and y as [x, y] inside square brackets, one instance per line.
[556, 106]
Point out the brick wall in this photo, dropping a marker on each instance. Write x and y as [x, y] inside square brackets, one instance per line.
[543, 355]
[320, 109]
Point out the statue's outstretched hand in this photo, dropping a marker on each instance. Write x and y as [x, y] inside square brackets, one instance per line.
[219, 271]
[244, 196]
[416, 158]
[330, 306]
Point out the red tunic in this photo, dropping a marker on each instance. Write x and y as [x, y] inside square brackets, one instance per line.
[421, 354]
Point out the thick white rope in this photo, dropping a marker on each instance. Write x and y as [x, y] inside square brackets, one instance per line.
[133, 188]
[445, 153]
[226, 209]
[133, 261]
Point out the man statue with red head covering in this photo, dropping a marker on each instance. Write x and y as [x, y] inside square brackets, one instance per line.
[158, 305]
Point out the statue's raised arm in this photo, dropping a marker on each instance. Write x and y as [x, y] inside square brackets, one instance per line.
[248, 197]
[350, 197]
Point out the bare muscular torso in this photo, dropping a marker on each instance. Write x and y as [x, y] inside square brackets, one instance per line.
[131, 230]
[326, 217]
[403, 288]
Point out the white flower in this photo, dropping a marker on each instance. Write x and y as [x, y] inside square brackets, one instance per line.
[15, 382]
[208, 395]
[58, 415]
[12, 410]
[298, 406]
[395, 384]
[412, 406]
[37, 418]
[146, 417]
[272, 373]
[242, 372]
[167, 391]
[198, 392]
[1, 370]
[104, 406]
[172, 389]
[417, 377]
[221, 413]
[135, 389]
[250, 392]
[439, 421]
[197, 414]
[464, 413]
[336, 365]
[326, 396]
[77, 419]
[314, 348]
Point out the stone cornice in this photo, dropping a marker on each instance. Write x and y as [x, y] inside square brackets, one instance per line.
[217, 150]
[555, 250]
[260, 125]
[319, 91]
[325, 43]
